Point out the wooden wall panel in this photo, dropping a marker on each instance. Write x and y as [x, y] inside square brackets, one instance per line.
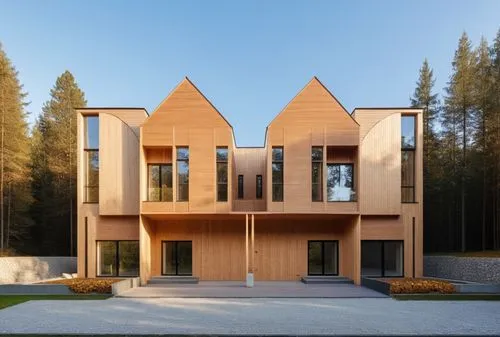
[249, 162]
[118, 167]
[297, 169]
[341, 154]
[280, 246]
[315, 106]
[382, 228]
[158, 155]
[218, 246]
[117, 228]
[187, 118]
[146, 240]
[184, 108]
[86, 244]
[313, 118]
[380, 168]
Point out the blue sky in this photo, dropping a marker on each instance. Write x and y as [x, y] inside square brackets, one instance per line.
[248, 57]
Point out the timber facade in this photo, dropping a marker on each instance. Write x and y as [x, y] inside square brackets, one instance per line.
[330, 193]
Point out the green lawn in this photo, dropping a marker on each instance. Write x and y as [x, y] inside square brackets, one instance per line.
[481, 253]
[447, 297]
[8, 300]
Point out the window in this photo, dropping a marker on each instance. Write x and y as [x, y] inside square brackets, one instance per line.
[182, 174]
[240, 187]
[277, 168]
[382, 258]
[317, 173]
[408, 158]
[258, 187]
[340, 182]
[221, 162]
[160, 182]
[91, 159]
[322, 257]
[117, 258]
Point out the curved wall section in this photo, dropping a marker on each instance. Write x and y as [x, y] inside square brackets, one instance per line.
[380, 168]
[118, 167]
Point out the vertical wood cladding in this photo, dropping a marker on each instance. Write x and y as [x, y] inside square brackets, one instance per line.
[313, 118]
[186, 118]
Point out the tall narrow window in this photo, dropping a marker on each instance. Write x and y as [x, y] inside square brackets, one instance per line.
[258, 187]
[91, 159]
[182, 174]
[277, 168]
[408, 146]
[160, 182]
[340, 182]
[317, 173]
[240, 187]
[221, 162]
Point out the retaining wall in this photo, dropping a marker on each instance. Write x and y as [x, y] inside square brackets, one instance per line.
[474, 269]
[33, 268]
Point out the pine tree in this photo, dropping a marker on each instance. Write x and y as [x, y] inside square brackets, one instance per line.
[494, 139]
[14, 158]
[483, 84]
[54, 145]
[423, 97]
[459, 108]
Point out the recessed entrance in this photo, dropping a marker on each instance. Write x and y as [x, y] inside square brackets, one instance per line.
[177, 258]
[323, 258]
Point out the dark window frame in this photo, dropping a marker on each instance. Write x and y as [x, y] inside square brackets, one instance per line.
[383, 258]
[281, 184]
[160, 182]
[87, 151]
[176, 258]
[220, 162]
[241, 186]
[323, 257]
[117, 258]
[321, 174]
[178, 183]
[353, 187]
[258, 186]
[414, 164]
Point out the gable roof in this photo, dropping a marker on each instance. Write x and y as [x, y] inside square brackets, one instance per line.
[191, 86]
[314, 80]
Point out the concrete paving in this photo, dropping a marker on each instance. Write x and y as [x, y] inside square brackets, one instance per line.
[266, 316]
[216, 289]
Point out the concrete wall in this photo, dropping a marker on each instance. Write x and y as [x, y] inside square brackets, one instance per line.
[475, 269]
[33, 268]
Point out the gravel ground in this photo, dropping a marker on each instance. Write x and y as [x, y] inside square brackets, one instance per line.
[252, 316]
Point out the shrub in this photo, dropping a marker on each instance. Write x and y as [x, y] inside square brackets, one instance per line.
[420, 286]
[87, 285]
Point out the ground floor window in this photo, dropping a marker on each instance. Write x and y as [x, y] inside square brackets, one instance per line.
[177, 258]
[117, 258]
[322, 258]
[382, 258]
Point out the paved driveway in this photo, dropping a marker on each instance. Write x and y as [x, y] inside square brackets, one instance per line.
[216, 289]
[252, 316]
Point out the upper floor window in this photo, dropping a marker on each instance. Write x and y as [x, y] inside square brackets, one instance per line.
[317, 173]
[408, 146]
[258, 187]
[160, 182]
[408, 132]
[91, 159]
[340, 182]
[222, 168]
[240, 187]
[277, 169]
[182, 174]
